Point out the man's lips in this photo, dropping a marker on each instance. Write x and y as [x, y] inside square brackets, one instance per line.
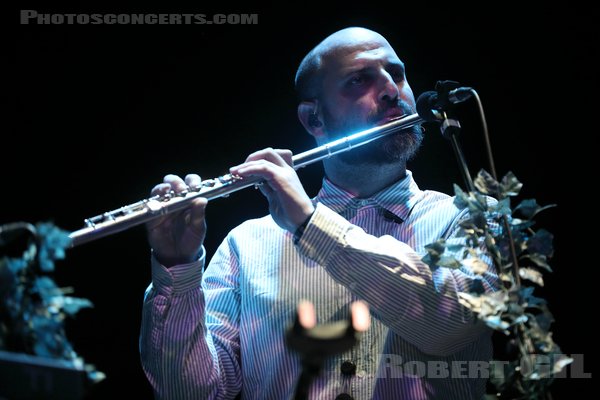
[390, 116]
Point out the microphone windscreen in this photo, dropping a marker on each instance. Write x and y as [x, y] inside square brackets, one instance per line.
[425, 105]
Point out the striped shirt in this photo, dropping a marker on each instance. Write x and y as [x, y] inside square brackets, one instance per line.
[221, 332]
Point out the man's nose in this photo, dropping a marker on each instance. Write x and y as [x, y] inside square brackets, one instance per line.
[389, 88]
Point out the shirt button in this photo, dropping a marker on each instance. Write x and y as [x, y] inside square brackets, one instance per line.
[344, 396]
[348, 368]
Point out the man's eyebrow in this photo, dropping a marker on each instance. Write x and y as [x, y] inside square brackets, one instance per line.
[396, 66]
[356, 70]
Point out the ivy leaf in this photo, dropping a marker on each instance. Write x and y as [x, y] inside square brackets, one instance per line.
[53, 242]
[477, 287]
[544, 320]
[50, 339]
[531, 275]
[534, 301]
[503, 246]
[529, 208]
[479, 220]
[434, 253]
[437, 247]
[502, 206]
[541, 243]
[490, 308]
[525, 292]
[7, 279]
[461, 199]
[475, 225]
[15, 265]
[94, 375]
[454, 247]
[562, 362]
[540, 260]
[449, 262]
[520, 224]
[478, 203]
[514, 310]
[70, 305]
[492, 248]
[476, 265]
[474, 201]
[507, 278]
[510, 185]
[45, 287]
[486, 184]
[484, 304]
[496, 323]
[431, 261]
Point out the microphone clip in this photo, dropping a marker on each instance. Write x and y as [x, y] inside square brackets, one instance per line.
[446, 94]
[438, 106]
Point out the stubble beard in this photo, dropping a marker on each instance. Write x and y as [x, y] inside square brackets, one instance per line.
[392, 149]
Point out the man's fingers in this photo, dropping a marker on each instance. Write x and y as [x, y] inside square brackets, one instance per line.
[266, 189]
[160, 189]
[194, 215]
[286, 155]
[278, 157]
[177, 184]
[198, 210]
[193, 181]
[262, 168]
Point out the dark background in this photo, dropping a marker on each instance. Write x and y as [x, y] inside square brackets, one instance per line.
[99, 114]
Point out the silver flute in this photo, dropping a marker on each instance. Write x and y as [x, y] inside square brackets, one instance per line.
[154, 207]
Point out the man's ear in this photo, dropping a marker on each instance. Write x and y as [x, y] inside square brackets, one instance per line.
[309, 116]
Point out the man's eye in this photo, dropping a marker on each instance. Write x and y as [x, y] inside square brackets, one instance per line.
[398, 77]
[356, 80]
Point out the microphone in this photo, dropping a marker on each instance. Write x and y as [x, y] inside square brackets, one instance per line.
[446, 94]
[460, 94]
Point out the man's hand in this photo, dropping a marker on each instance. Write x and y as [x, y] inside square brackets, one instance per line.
[177, 238]
[289, 204]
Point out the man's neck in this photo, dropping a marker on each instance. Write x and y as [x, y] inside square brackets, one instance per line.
[363, 180]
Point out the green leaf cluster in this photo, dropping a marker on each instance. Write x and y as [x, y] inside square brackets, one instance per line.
[505, 235]
[33, 308]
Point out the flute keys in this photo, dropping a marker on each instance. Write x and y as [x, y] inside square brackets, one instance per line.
[194, 188]
[229, 178]
[153, 205]
[206, 183]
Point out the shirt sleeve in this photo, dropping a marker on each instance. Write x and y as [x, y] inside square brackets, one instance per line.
[402, 291]
[188, 352]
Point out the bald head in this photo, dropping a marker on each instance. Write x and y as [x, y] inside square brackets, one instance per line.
[309, 76]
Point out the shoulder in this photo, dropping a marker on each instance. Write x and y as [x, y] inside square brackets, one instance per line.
[434, 200]
[435, 196]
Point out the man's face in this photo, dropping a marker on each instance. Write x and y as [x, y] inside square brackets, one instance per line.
[364, 85]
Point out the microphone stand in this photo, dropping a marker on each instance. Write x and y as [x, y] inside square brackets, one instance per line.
[438, 106]
[450, 128]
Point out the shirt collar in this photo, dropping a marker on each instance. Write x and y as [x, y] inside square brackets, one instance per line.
[398, 198]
